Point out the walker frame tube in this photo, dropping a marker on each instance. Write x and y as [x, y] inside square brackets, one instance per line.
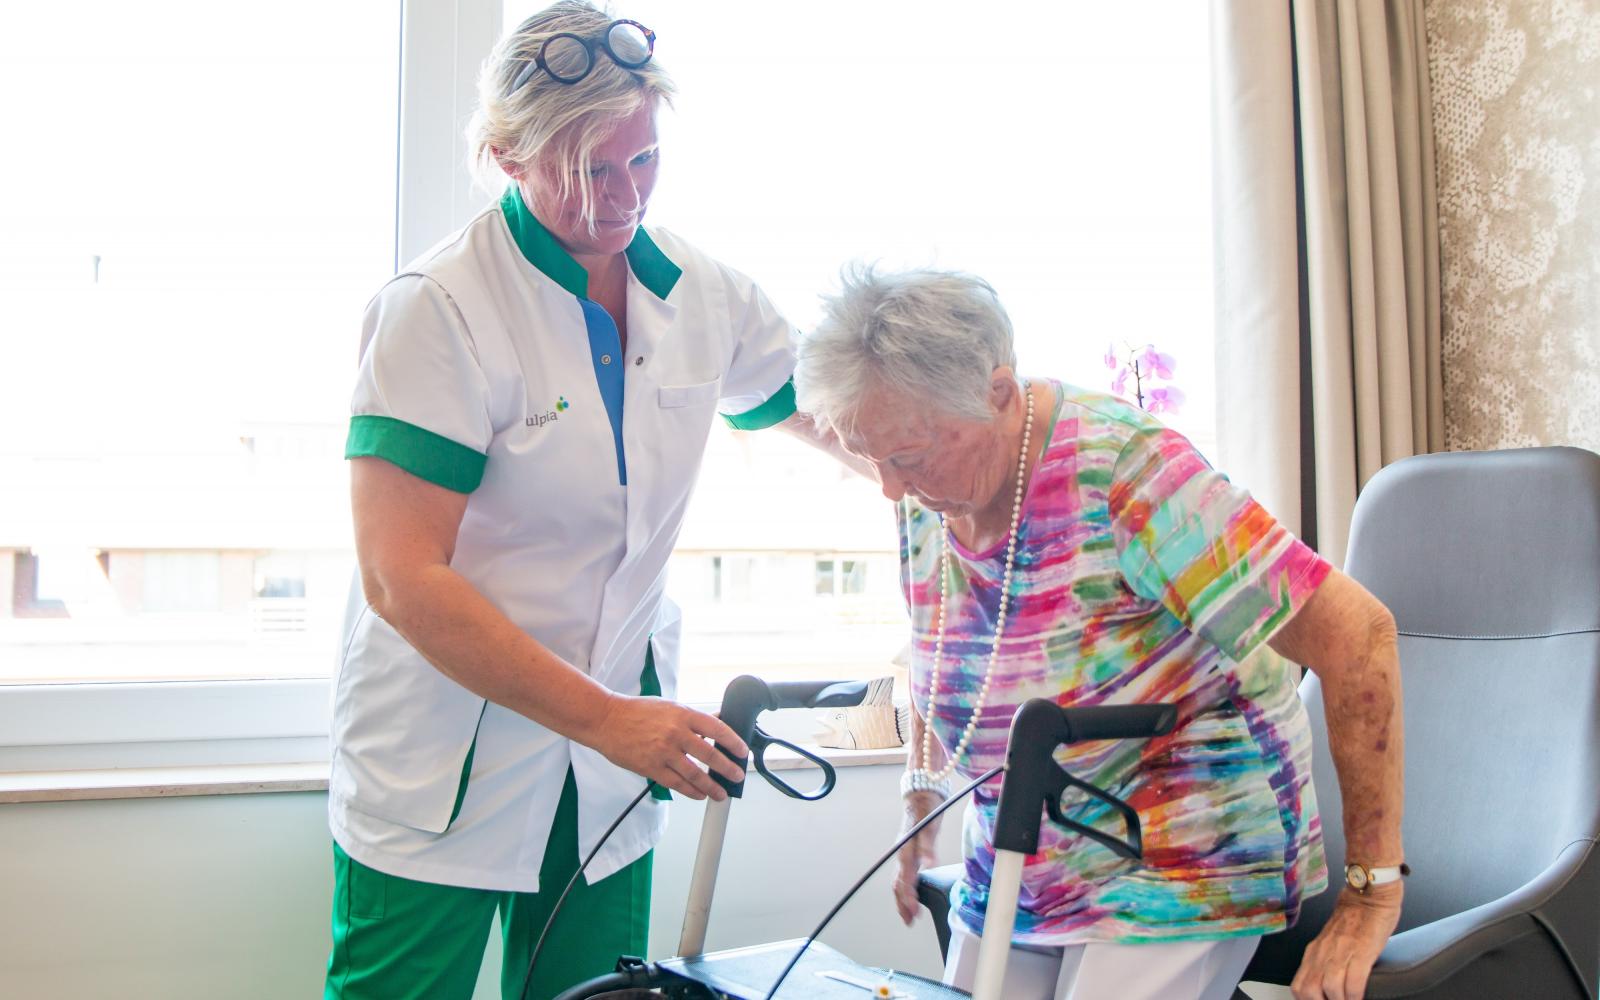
[1033, 785]
[743, 702]
[703, 883]
[994, 946]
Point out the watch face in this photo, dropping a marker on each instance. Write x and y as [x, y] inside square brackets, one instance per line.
[1356, 876]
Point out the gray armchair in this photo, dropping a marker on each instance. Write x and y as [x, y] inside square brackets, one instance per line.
[1490, 562]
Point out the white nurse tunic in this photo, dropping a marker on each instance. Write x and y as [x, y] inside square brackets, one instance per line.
[487, 370]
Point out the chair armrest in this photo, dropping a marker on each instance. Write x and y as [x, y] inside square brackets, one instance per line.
[1425, 956]
[934, 884]
[933, 891]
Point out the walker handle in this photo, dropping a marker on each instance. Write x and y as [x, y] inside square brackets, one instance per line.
[818, 694]
[1116, 722]
[1034, 780]
[747, 697]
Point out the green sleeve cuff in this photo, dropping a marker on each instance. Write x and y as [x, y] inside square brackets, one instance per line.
[422, 453]
[774, 411]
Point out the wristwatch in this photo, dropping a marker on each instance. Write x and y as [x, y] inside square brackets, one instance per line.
[1360, 878]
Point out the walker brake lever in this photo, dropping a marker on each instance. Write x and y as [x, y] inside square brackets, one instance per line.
[1132, 848]
[758, 749]
[747, 697]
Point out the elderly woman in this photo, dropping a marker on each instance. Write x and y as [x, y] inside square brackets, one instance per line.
[1061, 543]
[500, 696]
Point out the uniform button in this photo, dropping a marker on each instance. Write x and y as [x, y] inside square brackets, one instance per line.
[638, 361]
[605, 359]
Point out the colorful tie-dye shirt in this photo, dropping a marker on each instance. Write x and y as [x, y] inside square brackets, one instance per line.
[1141, 576]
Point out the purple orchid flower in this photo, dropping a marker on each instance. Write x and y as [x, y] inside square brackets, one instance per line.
[1139, 372]
[1157, 363]
[1165, 399]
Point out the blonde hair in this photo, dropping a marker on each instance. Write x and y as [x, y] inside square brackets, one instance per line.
[547, 118]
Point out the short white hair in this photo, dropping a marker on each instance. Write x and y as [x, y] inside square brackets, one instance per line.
[937, 335]
[547, 118]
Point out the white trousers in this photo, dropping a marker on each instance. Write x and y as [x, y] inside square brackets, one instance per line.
[1180, 970]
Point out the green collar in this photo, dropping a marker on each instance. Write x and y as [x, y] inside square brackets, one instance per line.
[654, 269]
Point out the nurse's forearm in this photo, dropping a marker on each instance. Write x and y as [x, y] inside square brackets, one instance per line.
[405, 540]
[467, 638]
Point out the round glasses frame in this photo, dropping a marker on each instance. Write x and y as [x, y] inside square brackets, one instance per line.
[601, 41]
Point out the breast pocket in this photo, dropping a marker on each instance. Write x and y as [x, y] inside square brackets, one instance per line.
[675, 441]
[703, 393]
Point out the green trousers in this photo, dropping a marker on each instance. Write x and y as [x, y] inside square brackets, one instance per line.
[397, 939]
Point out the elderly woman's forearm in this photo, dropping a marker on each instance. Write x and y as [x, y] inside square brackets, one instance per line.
[935, 758]
[1367, 739]
[1347, 638]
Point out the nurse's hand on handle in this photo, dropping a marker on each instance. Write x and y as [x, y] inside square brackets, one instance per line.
[664, 740]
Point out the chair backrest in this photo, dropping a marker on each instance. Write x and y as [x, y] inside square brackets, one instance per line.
[1490, 563]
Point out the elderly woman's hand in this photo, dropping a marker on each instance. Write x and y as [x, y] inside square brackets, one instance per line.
[916, 855]
[1340, 959]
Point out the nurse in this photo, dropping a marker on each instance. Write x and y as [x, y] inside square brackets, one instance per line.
[534, 397]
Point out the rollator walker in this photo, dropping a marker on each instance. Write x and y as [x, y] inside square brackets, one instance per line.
[1033, 784]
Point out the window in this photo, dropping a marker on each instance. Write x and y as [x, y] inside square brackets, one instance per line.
[841, 576]
[826, 584]
[280, 576]
[205, 202]
[173, 502]
[853, 576]
[30, 598]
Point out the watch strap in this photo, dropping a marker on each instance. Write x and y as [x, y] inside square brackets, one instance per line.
[1368, 877]
[1385, 874]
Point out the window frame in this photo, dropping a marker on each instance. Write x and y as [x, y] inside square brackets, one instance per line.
[90, 725]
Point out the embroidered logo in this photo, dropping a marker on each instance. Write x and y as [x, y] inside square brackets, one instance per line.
[540, 419]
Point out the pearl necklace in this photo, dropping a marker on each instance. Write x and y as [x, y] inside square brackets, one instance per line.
[927, 778]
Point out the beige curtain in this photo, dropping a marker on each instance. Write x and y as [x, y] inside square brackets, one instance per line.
[1317, 396]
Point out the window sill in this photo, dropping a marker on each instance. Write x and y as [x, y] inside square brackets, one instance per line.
[310, 776]
[779, 759]
[161, 782]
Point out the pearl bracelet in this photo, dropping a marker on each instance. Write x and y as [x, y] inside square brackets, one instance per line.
[917, 779]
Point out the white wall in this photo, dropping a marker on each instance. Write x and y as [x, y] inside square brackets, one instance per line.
[227, 896]
[218, 896]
